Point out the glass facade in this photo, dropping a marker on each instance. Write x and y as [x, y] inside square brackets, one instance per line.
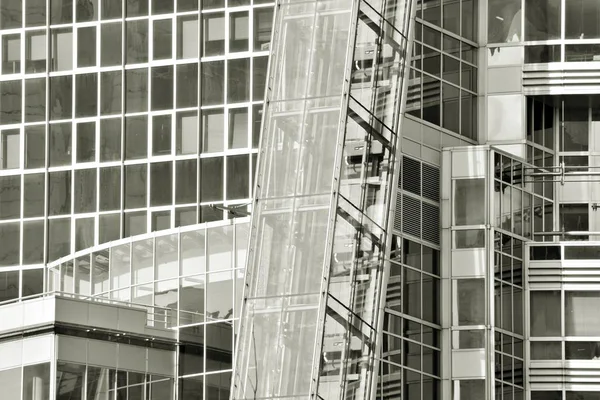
[119, 118]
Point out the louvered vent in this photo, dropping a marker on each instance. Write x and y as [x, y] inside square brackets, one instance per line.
[411, 215]
[431, 183]
[398, 215]
[411, 175]
[431, 223]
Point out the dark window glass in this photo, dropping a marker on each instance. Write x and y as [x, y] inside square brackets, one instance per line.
[545, 313]
[136, 137]
[69, 381]
[86, 46]
[546, 350]
[86, 10]
[9, 287]
[9, 251]
[60, 101]
[542, 19]
[137, 41]
[259, 65]
[187, 5]
[162, 88]
[238, 177]
[263, 23]
[574, 217]
[183, 217]
[35, 146]
[135, 223]
[136, 96]
[161, 135]
[162, 38]
[161, 220]
[10, 102]
[112, 9]
[85, 190]
[135, 186]
[35, 100]
[86, 95]
[110, 139]
[542, 54]
[109, 228]
[209, 214]
[161, 184]
[187, 85]
[162, 7]
[60, 144]
[239, 34]
[257, 113]
[136, 8]
[110, 44]
[62, 49]
[35, 13]
[187, 37]
[33, 196]
[35, 52]
[582, 351]
[33, 283]
[110, 92]
[238, 83]
[213, 82]
[211, 183]
[219, 347]
[59, 238]
[212, 4]
[110, 188]
[61, 11]
[213, 34]
[59, 193]
[86, 142]
[11, 14]
[191, 388]
[191, 350]
[84, 233]
[186, 181]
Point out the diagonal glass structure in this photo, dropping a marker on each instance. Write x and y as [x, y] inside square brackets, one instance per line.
[319, 232]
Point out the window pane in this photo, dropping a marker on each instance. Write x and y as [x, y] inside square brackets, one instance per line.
[59, 193]
[10, 194]
[542, 19]
[110, 92]
[135, 223]
[167, 257]
[33, 197]
[137, 41]
[11, 53]
[162, 88]
[99, 383]
[161, 220]
[470, 294]
[61, 11]
[161, 186]
[59, 238]
[469, 239]
[33, 282]
[238, 83]
[87, 10]
[62, 49]
[186, 184]
[574, 217]
[546, 350]
[238, 128]
[213, 77]
[504, 21]
[60, 144]
[86, 142]
[238, 177]
[136, 96]
[35, 52]
[85, 190]
[110, 140]
[211, 183]
[187, 37]
[112, 9]
[110, 44]
[109, 228]
[545, 313]
[86, 103]
[468, 204]
[69, 381]
[263, 23]
[259, 65]
[11, 14]
[110, 188]
[185, 216]
[9, 255]
[161, 7]
[35, 13]
[33, 249]
[135, 186]
[219, 297]
[238, 31]
[187, 85]
[86, 47]
[136, 139]
[10, 157]
[162, 42]
[187, 132]
[35, 100]
[84, 233]
[136, 8]
[187, 5]
[576, 126]
[580, 309]
[61, 88]
[213, 34]
[35, 146]
[10, 102]
[10, 379]
[161, 135]
[213, 131]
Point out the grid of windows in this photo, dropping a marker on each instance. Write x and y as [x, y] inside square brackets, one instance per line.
[119, 118]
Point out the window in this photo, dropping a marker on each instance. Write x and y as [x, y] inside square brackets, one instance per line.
[238, 31]
[504, 21]
[35, 100]
[35, 146]
[161, 135]
[187, 37]
[110, 44]
[86, 47]
[187, 132]
[213, 131]
[137, 41]
[62, 49]
[542, 19]
[35, 52]
[581, 309]
[162, 42]
[238, 128]
[574, 217]
[470, 295]
[11, 150]
[213, 34]
[545, 313]
[263, 23]
[469, 205]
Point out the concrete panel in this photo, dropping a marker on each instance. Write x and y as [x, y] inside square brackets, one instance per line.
[11, 317]
[430, 155]
[72, 349]
[468, 263]
[411, 148]
[131, 358]
[161, 362]
[102, 353]
[505, 118]
[432, 137]
[12, 354]
[504, 80]
[71, 311]
[38, 349]
[132, 320]
[468, 363]
[103, 316]
[470, 163]
[411, 129]
[38, 311]
[574, 192]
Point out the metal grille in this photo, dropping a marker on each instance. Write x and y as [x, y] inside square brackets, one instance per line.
[431, 183]
[411, 175]
[398, 215]
[411, 215]
[431, 223]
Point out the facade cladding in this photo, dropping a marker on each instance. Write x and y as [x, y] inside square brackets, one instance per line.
[424, 217]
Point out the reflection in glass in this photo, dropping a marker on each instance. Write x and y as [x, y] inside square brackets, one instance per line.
[110, 43]
[162, 87]
[33, 253]
[135, 186]
[69, 381]
[35, 146]
[504, 21]
[470, 295]
[213, 34]
[187, 85]
[187, 37]
[110, 92]
[187, 132]
[162, 38]
[137, 40]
